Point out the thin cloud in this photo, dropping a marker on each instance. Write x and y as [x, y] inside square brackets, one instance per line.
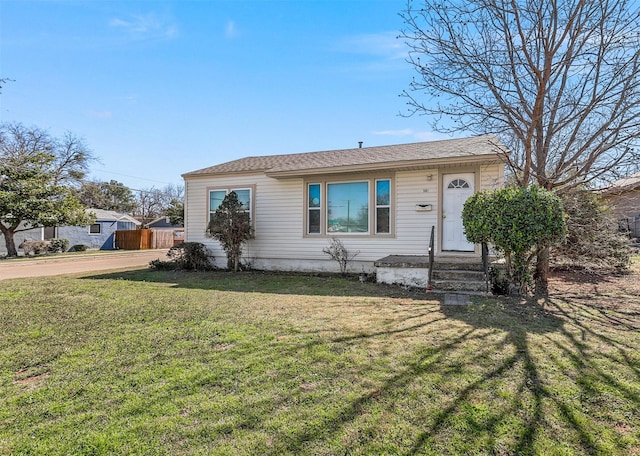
[384, 44]
[100, 114]
[145, 27]
[375, 53]
[417, 135]
[403, 132]
[230, 29]
[432, 136]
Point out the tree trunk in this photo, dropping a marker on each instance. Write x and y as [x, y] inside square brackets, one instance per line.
[541, 276]
[10, 243]
[542, 272]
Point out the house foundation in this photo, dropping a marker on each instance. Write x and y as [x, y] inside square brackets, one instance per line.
[407, 270]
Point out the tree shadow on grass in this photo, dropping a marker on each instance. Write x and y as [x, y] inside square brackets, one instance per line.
[523, 347]
[494, 327]
[268, 282]
[558, 340]
[517, 322]
[506, 377]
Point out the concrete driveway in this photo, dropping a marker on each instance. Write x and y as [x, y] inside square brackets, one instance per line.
[83, 263]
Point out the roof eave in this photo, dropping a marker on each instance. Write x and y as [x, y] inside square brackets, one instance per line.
[223, 173]
[618, 190]
[405, 164]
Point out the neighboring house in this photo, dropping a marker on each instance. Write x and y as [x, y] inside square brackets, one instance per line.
[164, 224]
[624, 196]
[379, 201]
[99, 235]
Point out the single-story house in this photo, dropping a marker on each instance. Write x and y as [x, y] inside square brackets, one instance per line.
[99, 235]
[624, 196]
[102, 233]
[378, 201]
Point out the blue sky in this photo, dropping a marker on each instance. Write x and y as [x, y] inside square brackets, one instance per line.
[160, 88]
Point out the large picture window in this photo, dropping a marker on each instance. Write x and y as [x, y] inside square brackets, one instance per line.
[348, 207]
[216, 196]
[352, 207]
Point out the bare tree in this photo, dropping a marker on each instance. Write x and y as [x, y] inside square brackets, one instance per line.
[558, 81]
[153, 202]
[172, 192]
[149, 203]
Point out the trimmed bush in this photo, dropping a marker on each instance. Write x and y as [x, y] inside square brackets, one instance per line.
[518, 222]
[35, 247]
[190, 256]
[58, 245]
[79, 248]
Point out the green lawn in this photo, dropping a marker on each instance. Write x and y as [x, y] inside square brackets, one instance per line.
[146, 362]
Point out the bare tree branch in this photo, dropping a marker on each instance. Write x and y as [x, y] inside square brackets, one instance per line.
[558, 81]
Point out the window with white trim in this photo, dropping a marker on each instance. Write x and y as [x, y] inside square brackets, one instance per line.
[349, 207]
[383, 206]
[217, 195]
[314, 208]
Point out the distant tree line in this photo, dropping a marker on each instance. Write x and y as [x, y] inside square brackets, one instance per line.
[146, 204]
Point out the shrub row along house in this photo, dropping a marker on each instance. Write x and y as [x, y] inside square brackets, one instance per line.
[378, 201]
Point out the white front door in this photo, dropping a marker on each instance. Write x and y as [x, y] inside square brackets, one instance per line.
[456, 188]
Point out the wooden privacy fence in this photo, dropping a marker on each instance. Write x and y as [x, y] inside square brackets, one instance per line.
[145, 239]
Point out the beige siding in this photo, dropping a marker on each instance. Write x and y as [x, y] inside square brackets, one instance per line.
[491, 177]
[279, 213]
[625, 204]
[414, 226]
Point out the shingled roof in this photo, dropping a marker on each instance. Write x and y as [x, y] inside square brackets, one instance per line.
[479, 148]
[112, 216]
[628, 183]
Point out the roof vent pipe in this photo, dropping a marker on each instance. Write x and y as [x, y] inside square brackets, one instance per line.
[359, 144]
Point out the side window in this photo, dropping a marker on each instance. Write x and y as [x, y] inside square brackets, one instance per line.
[215, 200]
[244, 196]
[314, 211]
[95, 228]
[383, 206]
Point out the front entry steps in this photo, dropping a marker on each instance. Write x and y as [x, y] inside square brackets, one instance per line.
[458, 274]
[451, 274]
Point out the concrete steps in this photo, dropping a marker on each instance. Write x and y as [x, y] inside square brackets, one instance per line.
[458, 274]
